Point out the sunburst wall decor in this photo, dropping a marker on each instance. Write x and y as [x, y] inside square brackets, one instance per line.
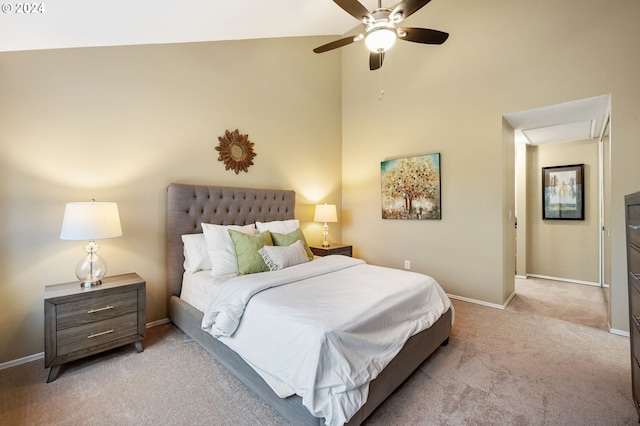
[236, 151]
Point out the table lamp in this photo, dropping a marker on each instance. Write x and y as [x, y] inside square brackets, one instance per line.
[325, 213]
[90, 221]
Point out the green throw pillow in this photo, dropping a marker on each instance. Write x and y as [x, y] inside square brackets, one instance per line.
[247, 246]
[290, 238]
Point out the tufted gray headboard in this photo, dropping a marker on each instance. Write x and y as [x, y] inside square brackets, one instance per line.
[190, 205]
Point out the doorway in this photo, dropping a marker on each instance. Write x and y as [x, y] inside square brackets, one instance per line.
[569, 133]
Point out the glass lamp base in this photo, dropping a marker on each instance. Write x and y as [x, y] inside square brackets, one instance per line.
[92, 268]
[325, 234]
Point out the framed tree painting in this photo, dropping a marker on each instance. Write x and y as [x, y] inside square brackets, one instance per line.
[563, 192]
[411, 188]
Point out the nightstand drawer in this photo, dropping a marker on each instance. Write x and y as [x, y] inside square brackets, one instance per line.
[96, 309]
[96, 333]
[342, 249]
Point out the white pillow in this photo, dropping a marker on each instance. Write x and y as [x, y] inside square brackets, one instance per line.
[196, 257]
[222, 253]
[280, 257]
[279, 226]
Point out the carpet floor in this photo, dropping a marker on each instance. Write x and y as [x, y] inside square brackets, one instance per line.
[545, 360]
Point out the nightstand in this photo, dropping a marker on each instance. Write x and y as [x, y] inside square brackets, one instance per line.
[79, 322]
[343, 249]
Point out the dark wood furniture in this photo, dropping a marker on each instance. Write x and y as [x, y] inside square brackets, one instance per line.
[343, 249]
[79, 321]
[190, 205]
[632, 204]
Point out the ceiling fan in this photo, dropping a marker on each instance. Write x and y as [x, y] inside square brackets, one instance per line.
[380, 30]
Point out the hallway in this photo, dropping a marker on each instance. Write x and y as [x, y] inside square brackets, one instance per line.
[575, 303]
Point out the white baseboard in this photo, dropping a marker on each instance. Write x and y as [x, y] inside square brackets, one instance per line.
[482, 302]
[566, 280]
[158, 322]
[619, 332]
[35, 357]
[509, 299]
[24, 360]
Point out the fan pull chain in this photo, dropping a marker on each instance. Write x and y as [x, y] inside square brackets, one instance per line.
[381, 89]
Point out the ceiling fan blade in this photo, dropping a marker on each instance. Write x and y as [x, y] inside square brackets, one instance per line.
[408, 7]
[422, 35]
[338, 43]
[354, 8]
[375, 60]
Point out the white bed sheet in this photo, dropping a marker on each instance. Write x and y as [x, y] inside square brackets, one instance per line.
[325, 339]
[199, 288]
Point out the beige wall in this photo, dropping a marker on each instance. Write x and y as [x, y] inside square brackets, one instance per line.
[502, 57]
[565, 249]
[119, 124]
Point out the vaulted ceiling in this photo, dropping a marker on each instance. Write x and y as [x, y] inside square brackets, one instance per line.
[80, 23]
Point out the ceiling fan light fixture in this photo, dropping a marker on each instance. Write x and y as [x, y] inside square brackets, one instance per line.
[380, 39]
[381, 28]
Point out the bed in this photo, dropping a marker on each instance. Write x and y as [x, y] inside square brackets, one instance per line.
[188, 206]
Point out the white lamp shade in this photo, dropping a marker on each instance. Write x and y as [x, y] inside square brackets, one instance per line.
[90, 221]
[325, 213]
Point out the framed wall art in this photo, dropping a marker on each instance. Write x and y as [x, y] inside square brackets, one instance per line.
[411, 187]
[563, 192]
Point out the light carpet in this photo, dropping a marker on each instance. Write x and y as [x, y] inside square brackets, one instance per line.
[545, 360]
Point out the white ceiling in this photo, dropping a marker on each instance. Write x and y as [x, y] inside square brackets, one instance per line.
[82, 23]
[570, 121]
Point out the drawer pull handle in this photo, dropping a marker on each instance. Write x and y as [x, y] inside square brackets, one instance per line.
[93, 311]
[99, 334]
[635, 275]
[634, 227]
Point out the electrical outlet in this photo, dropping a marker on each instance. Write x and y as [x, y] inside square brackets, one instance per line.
[407, 264]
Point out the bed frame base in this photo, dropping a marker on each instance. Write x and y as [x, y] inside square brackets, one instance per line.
[417, 349]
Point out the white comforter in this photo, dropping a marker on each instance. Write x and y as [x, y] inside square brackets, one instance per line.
[324, 329]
